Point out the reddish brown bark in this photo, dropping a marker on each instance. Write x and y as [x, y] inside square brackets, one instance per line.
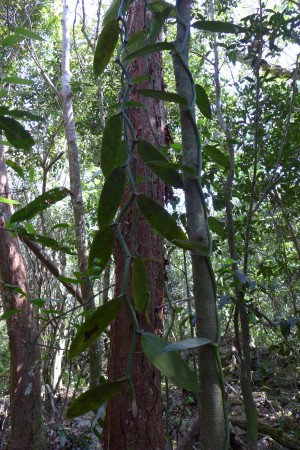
[123, 429]
[25, 387]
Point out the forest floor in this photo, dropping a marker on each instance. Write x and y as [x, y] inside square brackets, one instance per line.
[276, 393]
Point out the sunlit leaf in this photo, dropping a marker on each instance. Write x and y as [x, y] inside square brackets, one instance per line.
[45, 241]
[93, 398]
[106, 45]
[41, 203]
[18, 80]
[111, 144]
[9, 201]
[202, 101]
[111, 196]
[160, 219]
[169, 363]
[94, 325]
[159, 6]
[15, 133]
[187, 344]
[28, 34]
[102, 247]
[163, 95]
[12, 39]
[112, 12]
[216, 26]
[3, 93]
[20, 114]
[139, 285]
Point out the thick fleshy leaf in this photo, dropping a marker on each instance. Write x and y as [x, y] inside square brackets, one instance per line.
[136, 41]
[166, 172]
[12, 39]
[216, 155]
[193, 246]
[202, 101]
[111, 144]
[9, 201]
[111, 196]
[94, 325]
[159, 6]
[93, 398]
[41, 203]
[165, 96]
[217, 226]
[216, 26]
[105, 47]
[187, 344]
[28, 34]
[159, 164]
[18, 80]
[15, 133]
[160, 219]
[158, 47]
[170, 364]
[139, 285]
[102, 247]
[112, 12]
[158, 21]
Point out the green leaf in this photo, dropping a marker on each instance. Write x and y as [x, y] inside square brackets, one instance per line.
[202, 101]
[9, 201]
[166, 172]
[170, 364]
[46, 241]
[12, 39]
[68, 280]
[15, 133]
[216, 155]
[9, 313]
[158, 21]
[111, 149]
[16, 168]
[187, 344]
[18, 80]
[139, 285]
[28, 34]
[159, 6]
[102, 247]
[41, 203]
[200, 249]
[160, 219]
[105, 47]
[112, 13]
[159, 164]
[136, 41]
[3, 93]
[20, 114]
[94, 325]
[158, 47]
[165, 96]
[216, 26]
[217, 226]
[93, 398]
[111, 196]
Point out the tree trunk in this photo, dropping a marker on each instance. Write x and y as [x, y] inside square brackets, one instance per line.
[125, 429]
[75, 187]
[27, 430]
[212, 423]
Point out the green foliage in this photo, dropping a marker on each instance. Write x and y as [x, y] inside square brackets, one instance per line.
[93, 398]
[169, 364]
[94, 326]
[111, 196]
[139, 285]
[101, 248]
[15, 133]
[202, 101]
[106, 45]
[39, 204]
[112, 151]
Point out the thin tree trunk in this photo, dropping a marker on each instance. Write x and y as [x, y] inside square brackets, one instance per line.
[75, 186]
[27, 430]
[125, 429]
[212, 423]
